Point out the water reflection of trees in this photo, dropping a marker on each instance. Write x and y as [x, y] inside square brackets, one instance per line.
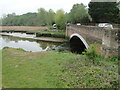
[10, 38]
[44, 45]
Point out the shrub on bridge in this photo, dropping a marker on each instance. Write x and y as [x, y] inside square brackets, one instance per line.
[92, 54]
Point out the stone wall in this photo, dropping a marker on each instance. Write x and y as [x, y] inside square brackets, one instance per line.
[111, 42]
[91, 34]
[108, 38]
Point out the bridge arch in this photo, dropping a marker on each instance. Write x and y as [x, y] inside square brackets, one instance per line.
[78, 43]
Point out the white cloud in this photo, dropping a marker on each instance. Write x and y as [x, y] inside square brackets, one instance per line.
[24, 6]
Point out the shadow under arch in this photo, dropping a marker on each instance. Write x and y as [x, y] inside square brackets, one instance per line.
[77, 43]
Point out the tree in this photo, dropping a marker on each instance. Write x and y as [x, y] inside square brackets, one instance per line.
[60, 19]
[68, 18]
[42, 17]
[8, 19]
[27, 19]
[118, 21]
[30, 19]
[0, 21]
[103, 11]
[78, 13]
[118, 18]
[50, 17]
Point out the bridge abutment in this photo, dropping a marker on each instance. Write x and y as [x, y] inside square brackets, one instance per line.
[110, 42]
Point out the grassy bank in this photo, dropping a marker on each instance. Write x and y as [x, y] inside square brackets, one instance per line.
[53, 69]
[0, 68]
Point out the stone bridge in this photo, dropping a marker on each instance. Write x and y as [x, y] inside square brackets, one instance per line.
[82, 36]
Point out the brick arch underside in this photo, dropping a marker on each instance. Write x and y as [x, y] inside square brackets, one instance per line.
[77, 44]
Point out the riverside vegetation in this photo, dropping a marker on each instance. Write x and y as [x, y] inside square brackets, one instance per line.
[52, 69]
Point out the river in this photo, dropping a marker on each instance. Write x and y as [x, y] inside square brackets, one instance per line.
[28, 44]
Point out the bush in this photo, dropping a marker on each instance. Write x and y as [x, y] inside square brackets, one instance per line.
[50, 35]
[92, 54]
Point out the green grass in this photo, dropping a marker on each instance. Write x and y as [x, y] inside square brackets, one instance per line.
[31, 70]
[55, 32]
[0, 69]
[50, 31]
[53, 69]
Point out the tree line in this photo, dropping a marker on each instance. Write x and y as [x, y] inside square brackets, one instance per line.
[96, 13]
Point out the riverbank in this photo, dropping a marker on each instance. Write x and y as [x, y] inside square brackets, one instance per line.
[53, 69]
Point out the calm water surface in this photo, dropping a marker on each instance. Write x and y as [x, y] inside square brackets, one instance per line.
[26, 44]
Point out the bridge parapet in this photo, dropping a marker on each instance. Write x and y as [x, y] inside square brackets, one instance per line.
[109, 38]
[93, 31]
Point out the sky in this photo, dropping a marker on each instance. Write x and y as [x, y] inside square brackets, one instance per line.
[24, 6]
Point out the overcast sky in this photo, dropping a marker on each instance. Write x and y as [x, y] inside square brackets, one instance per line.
[24, 6]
